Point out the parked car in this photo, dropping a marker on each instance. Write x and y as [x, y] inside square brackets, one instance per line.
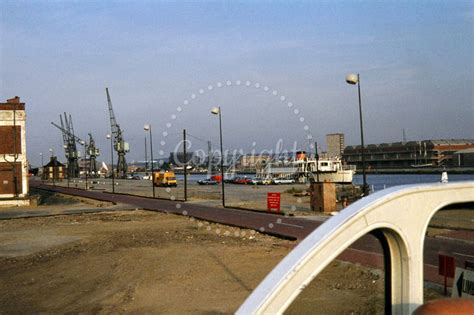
[281, 181]
[207, 181]
[133, 176]
[242, 180]
[261, 181]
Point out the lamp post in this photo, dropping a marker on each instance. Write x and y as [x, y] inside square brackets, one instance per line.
[355, 79]
[85, 159]
[147, 127]
[54, 164]
[108, 136]
[146, 160]
[217, 111]
[68, 165]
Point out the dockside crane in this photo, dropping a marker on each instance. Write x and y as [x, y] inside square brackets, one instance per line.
[120, 146]
[72, 143]
[93, 154]
[69, 142]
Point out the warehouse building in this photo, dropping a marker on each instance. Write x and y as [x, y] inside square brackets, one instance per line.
[463, 158]
[413, 154]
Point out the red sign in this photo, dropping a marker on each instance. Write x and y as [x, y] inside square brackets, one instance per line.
[446, 266]
[273, 201]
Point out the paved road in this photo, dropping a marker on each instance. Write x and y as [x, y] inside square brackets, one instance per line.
[366, 250]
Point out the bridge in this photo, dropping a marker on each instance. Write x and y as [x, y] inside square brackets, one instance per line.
[398, 217]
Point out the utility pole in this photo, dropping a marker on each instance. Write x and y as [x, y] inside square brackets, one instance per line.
[148, 128]
[317, 161]
[146, 160]
[209, 161]
[185, 167]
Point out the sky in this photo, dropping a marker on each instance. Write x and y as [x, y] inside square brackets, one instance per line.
[276, 68]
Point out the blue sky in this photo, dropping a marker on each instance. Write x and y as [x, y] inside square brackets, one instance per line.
[415, 60]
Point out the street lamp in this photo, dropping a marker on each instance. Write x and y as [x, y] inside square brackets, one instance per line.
[147, 127]
[108, 136]
[54, 164]
[68, 164]
[355, 79]
[85, 159]
[146, 160]
[217, 111]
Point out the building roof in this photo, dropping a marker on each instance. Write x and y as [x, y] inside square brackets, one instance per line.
[12, 104]
[411, 143]
[54, 162]
[465, 151]
[453, 141]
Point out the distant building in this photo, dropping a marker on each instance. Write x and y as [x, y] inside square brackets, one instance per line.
[253, 160]
[13, 163]
[177, 158]
[463, 158]
[426, 153]
[335, 143]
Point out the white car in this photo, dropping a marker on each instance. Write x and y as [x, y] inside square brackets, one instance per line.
[280, 181]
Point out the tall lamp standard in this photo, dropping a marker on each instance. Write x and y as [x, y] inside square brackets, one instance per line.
[54, 164]
[217, 111]
[108, 136]
[354, 79]
[85, 159]
[146, 160]
[147, 127]
[68, 166]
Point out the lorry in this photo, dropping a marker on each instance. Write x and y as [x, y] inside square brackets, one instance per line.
[164, 179]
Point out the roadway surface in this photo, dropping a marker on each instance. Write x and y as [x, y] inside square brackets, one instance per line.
[366, 250]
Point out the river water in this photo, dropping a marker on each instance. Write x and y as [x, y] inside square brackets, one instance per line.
[379, 181]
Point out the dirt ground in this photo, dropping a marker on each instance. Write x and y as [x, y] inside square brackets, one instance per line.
[146, 262]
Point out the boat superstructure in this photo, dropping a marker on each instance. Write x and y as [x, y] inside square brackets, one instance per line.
[305, 170]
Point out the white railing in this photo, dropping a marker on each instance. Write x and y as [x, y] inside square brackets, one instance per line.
[400, 214]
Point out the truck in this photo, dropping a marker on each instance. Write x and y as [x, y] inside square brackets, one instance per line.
[164, 179]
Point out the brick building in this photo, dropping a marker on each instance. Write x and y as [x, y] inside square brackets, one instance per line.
[426, 153]
[13, 163]
[54, 170]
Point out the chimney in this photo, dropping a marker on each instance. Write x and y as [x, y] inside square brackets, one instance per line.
[15, 100]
